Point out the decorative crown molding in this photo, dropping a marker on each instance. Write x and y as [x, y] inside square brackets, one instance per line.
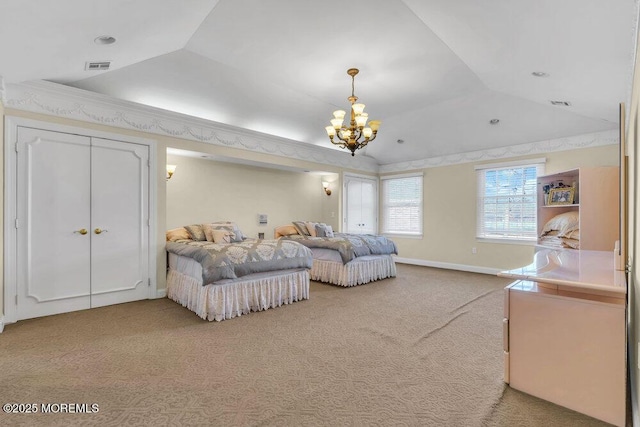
[73, 103]
[69, 102]
[608, 137]
[3, 92]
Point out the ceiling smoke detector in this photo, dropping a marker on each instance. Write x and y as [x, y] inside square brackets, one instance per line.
[561, 103]
[104, 40]
[494, 121]
[539, 74]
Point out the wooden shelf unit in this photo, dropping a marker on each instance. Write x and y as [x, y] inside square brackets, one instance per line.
[596, 199]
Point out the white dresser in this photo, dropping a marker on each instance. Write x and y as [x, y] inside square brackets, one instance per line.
[565, 332]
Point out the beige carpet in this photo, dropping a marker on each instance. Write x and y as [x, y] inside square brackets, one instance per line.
[423, 349]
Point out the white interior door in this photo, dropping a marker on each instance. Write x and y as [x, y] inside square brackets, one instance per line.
[368, 211]
[53, 195]
[353, 190]
[82, 209]
[361, 205]
[119, 222]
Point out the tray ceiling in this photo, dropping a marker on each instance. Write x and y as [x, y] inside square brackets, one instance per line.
[435, 72]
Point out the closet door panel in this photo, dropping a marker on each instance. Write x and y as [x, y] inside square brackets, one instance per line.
[354, 206]
[361, 205]
[119, 222]
[368, 210]
[53, 255]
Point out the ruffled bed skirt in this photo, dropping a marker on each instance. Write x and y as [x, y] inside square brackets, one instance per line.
[357, 272]
[235, 298]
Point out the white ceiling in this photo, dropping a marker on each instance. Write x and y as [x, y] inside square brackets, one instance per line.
[434, 71]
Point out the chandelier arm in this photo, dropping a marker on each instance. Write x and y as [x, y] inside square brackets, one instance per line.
[337, 143]
[341, 138]
[357, 133]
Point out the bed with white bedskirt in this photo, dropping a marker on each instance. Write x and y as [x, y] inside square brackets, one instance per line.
[344, 266]
[221, 281]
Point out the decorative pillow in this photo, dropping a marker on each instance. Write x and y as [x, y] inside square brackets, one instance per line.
[178, 234]
[324, 230]
[196, 232]
[575, 234]
[239, 234]
[285, 230]
[570, 243]
[227, 227]
[564, 223]
[329, 231]
[311, 228]
[222, 236]
[301, 226]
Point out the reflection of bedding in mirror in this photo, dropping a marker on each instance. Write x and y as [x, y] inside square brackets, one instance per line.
[562, 231]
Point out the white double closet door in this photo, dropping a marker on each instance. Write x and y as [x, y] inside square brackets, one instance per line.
[361, 203]
[82, 222]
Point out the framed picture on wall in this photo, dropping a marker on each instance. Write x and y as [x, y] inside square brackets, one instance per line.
[561, 196]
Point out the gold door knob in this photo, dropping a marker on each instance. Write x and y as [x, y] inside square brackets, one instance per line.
[99, 231]
[82, 231]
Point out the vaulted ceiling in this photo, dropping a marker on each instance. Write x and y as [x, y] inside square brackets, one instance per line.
[435, 72]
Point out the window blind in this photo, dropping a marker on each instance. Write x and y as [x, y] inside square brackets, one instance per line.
[402, 204]
[507, 201]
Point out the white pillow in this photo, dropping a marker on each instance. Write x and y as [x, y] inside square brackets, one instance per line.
[564, 223]
[329, 231]
[575, 234]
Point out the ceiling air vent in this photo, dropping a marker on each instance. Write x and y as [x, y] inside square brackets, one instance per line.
[561, 103]
[97, 66]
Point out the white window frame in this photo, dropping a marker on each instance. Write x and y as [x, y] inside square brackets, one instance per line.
[517, 238]
[384, 205]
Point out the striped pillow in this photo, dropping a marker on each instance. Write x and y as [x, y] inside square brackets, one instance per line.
[196, 232]
[301, 226]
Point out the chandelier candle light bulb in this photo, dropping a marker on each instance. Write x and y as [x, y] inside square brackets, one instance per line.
[356, 135]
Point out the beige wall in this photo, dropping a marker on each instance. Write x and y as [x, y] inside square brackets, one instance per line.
[204, 191]
[162, 143]
[633, 142]
[2, 210]
[450, 213]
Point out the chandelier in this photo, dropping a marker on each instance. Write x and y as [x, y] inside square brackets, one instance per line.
[356, 135]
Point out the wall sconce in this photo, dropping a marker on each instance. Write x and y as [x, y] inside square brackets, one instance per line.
[325, 186]
[171, 169]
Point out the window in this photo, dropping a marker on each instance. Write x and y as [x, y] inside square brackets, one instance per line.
[402, 204]
[507, 200]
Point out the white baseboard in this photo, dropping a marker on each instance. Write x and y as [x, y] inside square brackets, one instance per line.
[1, 324]
[448, 265]
[161, 293]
